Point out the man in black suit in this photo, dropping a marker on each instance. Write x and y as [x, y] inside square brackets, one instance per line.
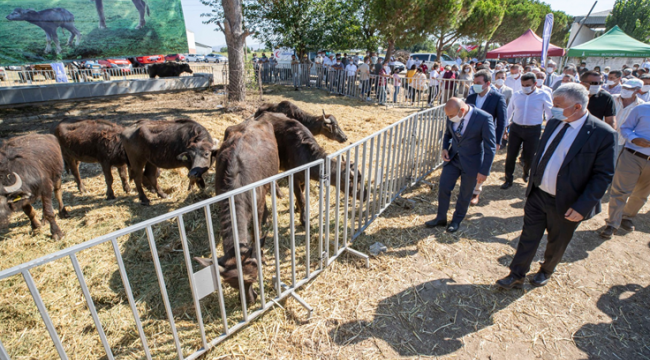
[492, 102]
[469, 145]
[575, 160]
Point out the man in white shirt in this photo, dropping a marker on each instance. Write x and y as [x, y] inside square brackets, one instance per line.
[351, 71]
[526, 113]
[613, 85]
[514, 80]
[410, 62]
[328, 62]
[644, 92]
[625, 102]
[541, 78]
[551, 76]
[499, 84]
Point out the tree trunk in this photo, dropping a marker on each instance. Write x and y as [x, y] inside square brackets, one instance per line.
[439, 48]
[236, 41]
[389, 51]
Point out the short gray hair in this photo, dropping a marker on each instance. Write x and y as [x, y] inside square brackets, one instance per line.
[573, 92]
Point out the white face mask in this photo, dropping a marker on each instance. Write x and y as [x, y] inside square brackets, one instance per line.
[594, 89]
[611, 82]
[627, 93]
[499, 82]
[550, 70]
[540, 82]
[527, 89]
[478, 88]
[466, 70]
[516, 76]
[645, 88]
[456, 118]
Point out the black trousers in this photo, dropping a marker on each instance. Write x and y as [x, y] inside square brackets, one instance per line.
[529, 136]
[540, 214]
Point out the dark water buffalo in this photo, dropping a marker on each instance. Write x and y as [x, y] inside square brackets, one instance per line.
[31, 168]
[141, 5]
[297, 147]
[151, 145]
[94, 141]
[249, 153]
[170, 69]
[49, 20]
[318, 125]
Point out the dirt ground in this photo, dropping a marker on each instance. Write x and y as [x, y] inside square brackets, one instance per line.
[431, 295]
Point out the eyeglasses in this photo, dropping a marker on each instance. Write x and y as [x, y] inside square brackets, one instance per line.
[592, 83]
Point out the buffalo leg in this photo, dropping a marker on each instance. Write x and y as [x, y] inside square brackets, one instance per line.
[300, 201]
[108, 176]
[58, 193]
[151, 173]
[31, 214]
[137, 171]
[99, 4]
[55, 39]
[73, 166]
[125, 180]
[74, 32]
[48, 214]
[141, 6]
[48, 40]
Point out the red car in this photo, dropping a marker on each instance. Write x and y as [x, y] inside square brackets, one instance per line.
[151, 59]
[175, 57]
[119, 64]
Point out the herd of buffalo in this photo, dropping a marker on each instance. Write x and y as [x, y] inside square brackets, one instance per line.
[278, 137]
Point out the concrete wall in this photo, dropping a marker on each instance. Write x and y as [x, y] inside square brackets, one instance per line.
[18, 95]
[586, 34]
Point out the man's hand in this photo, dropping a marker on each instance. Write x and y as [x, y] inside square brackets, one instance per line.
[498, 147]
[445, 155]
[573, 215]
[641, 142]
[505, 135]
[480, 178]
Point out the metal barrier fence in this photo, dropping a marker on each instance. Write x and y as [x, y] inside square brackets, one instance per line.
[418, 92]
[47, 77]
[377, 170]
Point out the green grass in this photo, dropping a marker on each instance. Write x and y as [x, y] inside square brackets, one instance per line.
[164, 32]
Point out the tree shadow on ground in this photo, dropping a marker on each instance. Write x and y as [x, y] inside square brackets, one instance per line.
[627, 336]
[429, 319]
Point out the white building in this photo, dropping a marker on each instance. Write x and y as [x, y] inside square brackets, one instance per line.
[203, 49]
[593, 26]
[191, 44]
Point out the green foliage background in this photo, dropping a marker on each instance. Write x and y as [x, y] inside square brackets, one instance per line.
[164, 32]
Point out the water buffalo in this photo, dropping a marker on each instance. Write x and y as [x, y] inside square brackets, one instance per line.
[49, 20]
[318, 125]
[297, 147]
[141, 5]
[93, 141]
[249, 153]
[170, 69]
[31, 168]
[150, 145]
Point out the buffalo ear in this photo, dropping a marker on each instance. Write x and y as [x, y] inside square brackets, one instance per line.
[183, 157]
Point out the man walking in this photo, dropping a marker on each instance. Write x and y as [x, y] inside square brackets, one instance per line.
[601, 103]
[526, 111]
[573, 167]
[625, 103]
[631, 185]
[468, 151]
[514, 80]
[492, 102]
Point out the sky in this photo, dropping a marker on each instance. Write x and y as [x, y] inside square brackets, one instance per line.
[205, 34]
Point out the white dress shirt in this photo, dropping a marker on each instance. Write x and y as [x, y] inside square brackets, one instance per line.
[514, 84]
[466, 117]
[527, 110]
[549, 179]
[547, 89]
[645, 97]
[480, 100]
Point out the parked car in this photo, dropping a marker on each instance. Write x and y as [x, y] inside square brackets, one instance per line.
[96, 69]
[175, 57]
[195, 58]
[150, 59]
[122, 65]
[398, 65]
[3, 74]
[429, 59]
[216, 58]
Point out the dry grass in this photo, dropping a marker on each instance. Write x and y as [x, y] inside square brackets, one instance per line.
[430, 295]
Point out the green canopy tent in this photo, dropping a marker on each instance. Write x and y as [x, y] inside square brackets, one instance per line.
[614, 43]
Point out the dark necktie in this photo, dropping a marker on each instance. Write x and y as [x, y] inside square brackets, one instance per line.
[541, 167]
[459, 129]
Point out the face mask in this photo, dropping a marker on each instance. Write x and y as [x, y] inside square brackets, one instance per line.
[478, 88]
[550, 70]
[456, 118]
[540, 82]
[466, 70]
[594, 89]
[645, 88]
[611, 82]
[527, 89]
[499, 82]
[627, 93]
[558, 113]
[516, 76]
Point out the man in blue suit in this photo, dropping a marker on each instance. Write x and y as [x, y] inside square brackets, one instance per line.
[469, 145]
[492, 102]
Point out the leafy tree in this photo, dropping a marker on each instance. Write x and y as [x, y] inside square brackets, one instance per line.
[445, 29]
[223, 49]
[633, 17]
[356, 26]
[520, 15]
[561, 25]
[483, 21]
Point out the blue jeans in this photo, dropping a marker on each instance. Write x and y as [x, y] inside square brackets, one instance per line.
[395, 94]
[296, 79]
[382, 94]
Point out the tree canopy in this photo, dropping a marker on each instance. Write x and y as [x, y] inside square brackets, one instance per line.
[633, 17]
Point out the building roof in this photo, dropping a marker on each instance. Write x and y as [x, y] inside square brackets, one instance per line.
[202, 45]
[595, 19]
[614, 43]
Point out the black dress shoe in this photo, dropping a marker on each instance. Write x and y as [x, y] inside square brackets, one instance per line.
[453, 227]
[511, 282]
[435, 223]
[540, 279]
[506, 185]
[525, 178]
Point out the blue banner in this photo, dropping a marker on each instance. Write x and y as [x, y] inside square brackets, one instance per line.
[546, 39]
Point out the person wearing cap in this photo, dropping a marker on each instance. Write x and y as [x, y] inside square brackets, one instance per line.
[625, 102]
[613, 86]
[644, 93]
[627, 73]
[551, 76]
[631, 183]
[601, 103]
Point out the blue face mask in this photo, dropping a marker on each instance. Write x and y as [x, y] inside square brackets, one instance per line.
[558, 113]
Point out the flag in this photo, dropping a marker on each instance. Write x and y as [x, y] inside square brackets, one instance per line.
[546, 39]
[466, 47]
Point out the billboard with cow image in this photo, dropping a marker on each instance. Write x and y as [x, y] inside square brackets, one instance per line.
[46, 31]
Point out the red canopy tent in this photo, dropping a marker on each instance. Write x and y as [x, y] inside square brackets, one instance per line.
[527, 45]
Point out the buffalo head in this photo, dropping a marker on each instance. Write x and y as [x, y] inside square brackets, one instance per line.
[333, 131]
[20, 14]
[11, 192]
[198, 158]
[186, 68]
